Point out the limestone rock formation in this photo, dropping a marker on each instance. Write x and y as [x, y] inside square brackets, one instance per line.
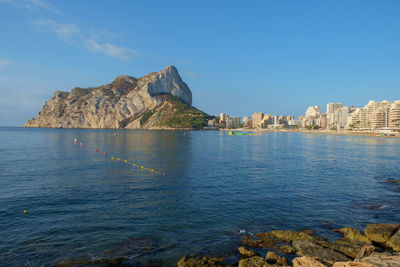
[312, 249]
[380, 232]
[127, 102]
[197, 261]
[246, 253]
[307, 261]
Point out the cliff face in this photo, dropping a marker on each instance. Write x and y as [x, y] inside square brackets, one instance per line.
[127, 102]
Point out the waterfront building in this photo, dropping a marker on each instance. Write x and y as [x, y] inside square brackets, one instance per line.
[302, 121]
[378, 119]
[332, 114]
[353, 119]
[247, 122]
[293, 122]
[276, 120]
[233, 123]
[394, 115]
[313, 111]
[257, 119]
[211, 123]
[267, 120]
[222, 118]
[313, 117]
[332, 107]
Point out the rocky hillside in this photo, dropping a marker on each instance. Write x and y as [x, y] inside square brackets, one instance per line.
[156, 101]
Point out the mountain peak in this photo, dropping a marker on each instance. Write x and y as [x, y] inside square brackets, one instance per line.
[118, 104]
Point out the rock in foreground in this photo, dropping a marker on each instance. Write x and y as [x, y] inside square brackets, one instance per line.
[197, 261]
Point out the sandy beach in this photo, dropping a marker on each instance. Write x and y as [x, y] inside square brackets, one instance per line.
[343, 133]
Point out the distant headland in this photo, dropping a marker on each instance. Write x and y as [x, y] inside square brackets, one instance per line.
[159, 100]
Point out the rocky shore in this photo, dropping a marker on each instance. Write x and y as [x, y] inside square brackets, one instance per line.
[378, 245]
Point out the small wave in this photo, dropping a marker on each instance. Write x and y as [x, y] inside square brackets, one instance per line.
[80, 248]
[383, 206]
[242, 231]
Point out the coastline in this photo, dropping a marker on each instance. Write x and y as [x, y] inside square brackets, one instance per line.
[342, 133]
[376, 245]
[318, 132]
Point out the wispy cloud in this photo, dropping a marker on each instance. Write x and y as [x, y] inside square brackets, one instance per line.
[68, 32]
[32, 5]
[190, 74]
[71, 33]
[122, 53]
[95, 40]
[4, 63]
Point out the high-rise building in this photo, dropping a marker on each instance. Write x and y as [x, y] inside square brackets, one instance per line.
[222, 118]
[267, 120]
[378, 119]
[233, 123]
[332, 114]
[332, 107]
[256, 119]
[394, 115]
[313, 111]
[247, 123]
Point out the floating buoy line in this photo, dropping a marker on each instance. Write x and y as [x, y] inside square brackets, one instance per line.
[133, 164]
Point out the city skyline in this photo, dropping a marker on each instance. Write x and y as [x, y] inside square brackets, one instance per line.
[375, 115]
[270, 55]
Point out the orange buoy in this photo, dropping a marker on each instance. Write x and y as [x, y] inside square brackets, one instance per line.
[105, 154]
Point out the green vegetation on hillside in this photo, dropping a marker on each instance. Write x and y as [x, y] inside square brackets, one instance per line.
[185, 115]
[146, 116]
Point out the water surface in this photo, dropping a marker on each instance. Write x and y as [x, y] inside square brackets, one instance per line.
[82, 205]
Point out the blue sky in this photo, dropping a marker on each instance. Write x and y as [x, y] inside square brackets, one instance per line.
[237, 57]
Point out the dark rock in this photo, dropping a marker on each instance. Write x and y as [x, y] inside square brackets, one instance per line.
[381, 260]
[260, 241]
[392, 181]
[353, 235]
[273, 238]
[307, 261]
[197, 261]
[274, 258]
[287, 249]
[394, 241]
[290, 235]
[365, 251]
[312, 249]
[373, 207]
[308, 231]
[352, 264]
[247, 253]
[380, 232]
[252, 262]
[348, 248]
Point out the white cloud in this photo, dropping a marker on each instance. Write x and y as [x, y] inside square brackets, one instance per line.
[32, 5]
[71, 33]
[92, 39]
[190, 74]
[41, 5]
[65, 31]
[122, 53]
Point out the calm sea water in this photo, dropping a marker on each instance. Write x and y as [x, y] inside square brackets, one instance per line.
[82, 205]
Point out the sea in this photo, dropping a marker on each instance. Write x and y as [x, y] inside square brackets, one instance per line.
[63, 201]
